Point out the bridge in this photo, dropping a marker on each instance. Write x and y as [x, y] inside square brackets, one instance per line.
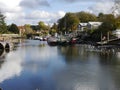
[4, 45]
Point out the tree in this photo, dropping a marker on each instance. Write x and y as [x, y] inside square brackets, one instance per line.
[54, 26]
[61, 25]
[86, 17]
[118, 22]
[68, 23]
[3, 27]
[101, 17]
[109, 23]
[72, 21]
[28, 29]
[13, 28]
[42, 25]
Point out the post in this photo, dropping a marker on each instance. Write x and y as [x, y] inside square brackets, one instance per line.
[108, 36]
[101, 37]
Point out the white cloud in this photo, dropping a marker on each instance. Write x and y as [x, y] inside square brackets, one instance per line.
[102, 6]
[47, 17]
[11, 67]
[17, 13]
[10, 5]
[34, 3]
[21, 12]
[12, 10]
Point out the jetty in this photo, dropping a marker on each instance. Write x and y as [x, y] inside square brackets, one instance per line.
[115, 41]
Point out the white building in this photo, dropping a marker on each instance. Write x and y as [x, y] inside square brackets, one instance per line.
[82, 26]
[93, 25]
[89, 25]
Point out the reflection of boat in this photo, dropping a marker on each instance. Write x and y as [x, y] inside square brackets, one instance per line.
[73, 41]
[52, 41]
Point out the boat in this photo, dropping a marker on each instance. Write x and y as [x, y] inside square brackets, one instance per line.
[62, 40]
[52, 41]
[73, 41]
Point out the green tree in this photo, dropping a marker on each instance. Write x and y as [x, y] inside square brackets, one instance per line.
[3, 27]
[68, 23]
[109, 23]
[55, 27]
[52, 31]
[72, 21]
[101, 17]
[61, 25]
[35, 27]
[86, 17]
[118, 22]
[28, 29]
[42, 25]
[13, 29]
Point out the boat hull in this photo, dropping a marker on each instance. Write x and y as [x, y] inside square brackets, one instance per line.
[52, 41]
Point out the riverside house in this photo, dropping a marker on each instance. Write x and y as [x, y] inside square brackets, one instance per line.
[21, 30]
[93, 25]
[82, 26]
[89, 25]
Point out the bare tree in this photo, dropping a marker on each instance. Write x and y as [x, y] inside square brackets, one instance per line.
[116, 8]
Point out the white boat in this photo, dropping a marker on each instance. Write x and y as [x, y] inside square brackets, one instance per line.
[52, 41]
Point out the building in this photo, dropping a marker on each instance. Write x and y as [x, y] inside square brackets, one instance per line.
[93, 25]
[21, 30]
[88, 26]
[82, 26]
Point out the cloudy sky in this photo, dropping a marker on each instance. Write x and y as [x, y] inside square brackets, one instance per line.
[23, 12]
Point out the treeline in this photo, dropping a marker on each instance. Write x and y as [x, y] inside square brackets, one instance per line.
[29, 29]
[68, 23]
[71, 20]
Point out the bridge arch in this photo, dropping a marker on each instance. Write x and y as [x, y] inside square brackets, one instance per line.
[4, 45]
[1, 46]
[7, 46]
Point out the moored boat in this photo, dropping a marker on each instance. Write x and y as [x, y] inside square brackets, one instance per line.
[52, 41]
[62, 40]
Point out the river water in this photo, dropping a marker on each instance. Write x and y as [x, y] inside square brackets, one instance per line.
[33, 65]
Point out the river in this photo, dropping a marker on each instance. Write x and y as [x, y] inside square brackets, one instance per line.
[33, 65]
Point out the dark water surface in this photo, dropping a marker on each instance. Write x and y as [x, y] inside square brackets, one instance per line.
[33, 65]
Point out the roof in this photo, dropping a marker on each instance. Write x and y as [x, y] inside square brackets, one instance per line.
[95, 23]
[83, 24]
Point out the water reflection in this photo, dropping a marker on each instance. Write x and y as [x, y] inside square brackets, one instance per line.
[10, 67]
[90, 70]
[36, 66]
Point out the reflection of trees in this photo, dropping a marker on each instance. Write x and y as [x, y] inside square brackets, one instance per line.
[74, 53]
[103, 67]
[109, 58]
[111, 62]
[70, 52]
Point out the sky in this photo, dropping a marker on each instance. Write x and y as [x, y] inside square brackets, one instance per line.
[23, 12]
